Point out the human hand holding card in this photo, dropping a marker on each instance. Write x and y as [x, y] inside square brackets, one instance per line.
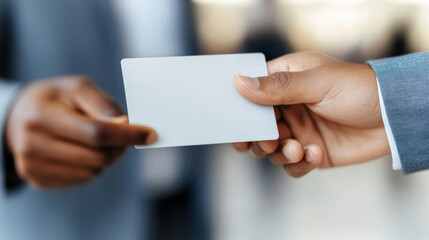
[192, 101]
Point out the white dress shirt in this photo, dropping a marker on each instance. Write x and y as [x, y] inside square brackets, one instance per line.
[396, 163]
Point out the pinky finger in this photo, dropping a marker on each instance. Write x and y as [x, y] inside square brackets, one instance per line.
[53, 183]
[313, 157]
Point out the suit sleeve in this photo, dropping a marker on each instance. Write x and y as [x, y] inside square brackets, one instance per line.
[8, 177]
[8, 91]
[404, 86]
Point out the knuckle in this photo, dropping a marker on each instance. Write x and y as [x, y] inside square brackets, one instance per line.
[88, 174]
[27, 153]
[241, 147]
[24, 169]
[39, 184]
[293, 172]
[256, 151]
[98, 135]
[257, 155]
[33, 122]
[281, 79]
[75, 183]
[34, 118]
[111, 108]
[276, 160]
[25, 149]
[101, 159]
[82, 82]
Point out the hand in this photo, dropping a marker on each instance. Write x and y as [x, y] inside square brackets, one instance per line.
[63, 132]
[327, 112]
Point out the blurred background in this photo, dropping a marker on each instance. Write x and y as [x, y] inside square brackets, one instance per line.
[208, 192]
[251, 199]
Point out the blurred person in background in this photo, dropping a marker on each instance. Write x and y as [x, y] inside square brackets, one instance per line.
[63, 127]
[333, 113]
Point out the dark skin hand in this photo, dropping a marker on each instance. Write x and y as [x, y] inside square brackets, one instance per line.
[65, 131]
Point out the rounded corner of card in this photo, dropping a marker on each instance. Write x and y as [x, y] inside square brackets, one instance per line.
[139, 147]
[124, 60]
[276, 135]
[261, 54]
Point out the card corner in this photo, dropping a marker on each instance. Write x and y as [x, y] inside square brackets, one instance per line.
[124, 60]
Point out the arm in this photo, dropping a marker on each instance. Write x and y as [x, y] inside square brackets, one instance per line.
[329, 112]
[404, 86]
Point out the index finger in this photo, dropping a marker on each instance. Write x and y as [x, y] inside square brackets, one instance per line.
[82, 129]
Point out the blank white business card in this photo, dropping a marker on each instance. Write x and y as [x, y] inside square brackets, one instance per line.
[192, 101]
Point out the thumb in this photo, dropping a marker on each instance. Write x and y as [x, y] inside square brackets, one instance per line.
[284, 88]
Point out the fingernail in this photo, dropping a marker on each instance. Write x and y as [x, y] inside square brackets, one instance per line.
[249, 82]
[308, 155]
[151, 138]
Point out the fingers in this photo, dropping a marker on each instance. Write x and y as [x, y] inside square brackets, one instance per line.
[262, 148]
[277, 113]
[46, 183]
[268, 147]
[297, 160]
[47, 162]
[256, 150]
[259, 149]
[242, 146]
[68, 153]
[284, 131]
[290, 152]
[91, 100]
[78, 128]
[312, 159]
[120, 134]
[42, 173]
[66, 131]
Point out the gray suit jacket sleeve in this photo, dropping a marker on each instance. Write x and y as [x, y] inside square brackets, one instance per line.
[8, 91]
[404, 85]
